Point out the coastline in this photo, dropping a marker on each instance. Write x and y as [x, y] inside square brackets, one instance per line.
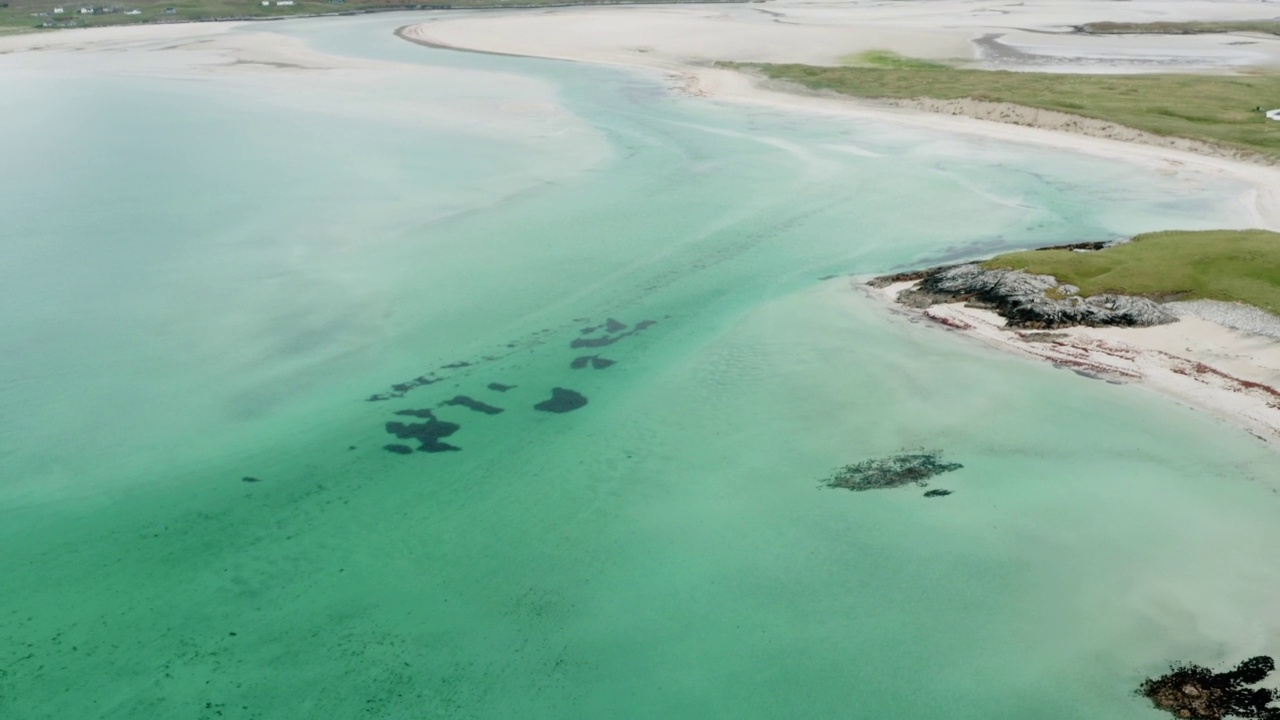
[1229, 374]
[1152, 356]
[1258, 208]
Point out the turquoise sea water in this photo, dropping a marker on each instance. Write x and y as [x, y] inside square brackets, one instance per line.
[208, 281]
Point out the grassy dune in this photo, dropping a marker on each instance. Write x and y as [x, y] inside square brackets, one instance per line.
[1231, 265]
[1193, 27]
[1218, 109]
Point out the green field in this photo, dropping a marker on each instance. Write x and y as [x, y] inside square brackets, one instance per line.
[1231, 265]
[21, 15]
[1193, 27]
[1225, 110]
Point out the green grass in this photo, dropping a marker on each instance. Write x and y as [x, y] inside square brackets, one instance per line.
[888, 59]
[1218, 109]
[25, 14]
[1194, 27]
[1231, 265]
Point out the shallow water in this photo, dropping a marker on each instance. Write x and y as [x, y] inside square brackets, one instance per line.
[209, 282]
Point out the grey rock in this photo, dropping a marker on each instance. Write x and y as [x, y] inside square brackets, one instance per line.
[1031, 301]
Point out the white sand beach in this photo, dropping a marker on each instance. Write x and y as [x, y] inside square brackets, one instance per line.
[1230, 373]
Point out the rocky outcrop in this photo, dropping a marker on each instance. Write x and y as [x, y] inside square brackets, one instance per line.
[1198, 693]
[890, 472]
[1024, 299]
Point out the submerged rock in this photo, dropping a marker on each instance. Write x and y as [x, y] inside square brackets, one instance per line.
[1026, 300]
[499, 387]
[891, 472]
[562, 400]
[1195, 692]
[937, 493]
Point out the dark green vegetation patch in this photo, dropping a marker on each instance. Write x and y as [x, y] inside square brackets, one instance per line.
[1223, 110]
[891, 472]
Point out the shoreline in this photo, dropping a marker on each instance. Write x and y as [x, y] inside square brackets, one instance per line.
[700, 77]
[1229, 374]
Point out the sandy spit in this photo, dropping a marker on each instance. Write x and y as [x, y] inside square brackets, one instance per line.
[1230, 374]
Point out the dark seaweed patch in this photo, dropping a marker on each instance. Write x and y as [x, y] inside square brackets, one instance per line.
[594, 342]
[891, 472]
[398, 449]
[399, 389]
[615, 329]
[473, 404]
[456, 365]
[600, 363]
[499, 387]
[427, 433]
[1192, 691]
[249, 479]
[581, 362]
[562, 400]
[937, 493]
[417, 413]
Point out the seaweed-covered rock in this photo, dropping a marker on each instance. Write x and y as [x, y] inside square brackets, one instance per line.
[893, 471]
[939, 492]
[1198, 693]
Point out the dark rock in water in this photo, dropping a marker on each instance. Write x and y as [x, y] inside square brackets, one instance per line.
[890, 472]
[612, 326]
[398, 449]
[1027, 300]
[562, 401]
[499, 387]
[456, 365]
[473, 404]
[581, 362]
[427, 433]
[1195, 692]
[249, 479]
[599, 363]
[937, 493]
